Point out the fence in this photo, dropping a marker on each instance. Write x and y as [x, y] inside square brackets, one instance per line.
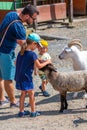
[9, 5]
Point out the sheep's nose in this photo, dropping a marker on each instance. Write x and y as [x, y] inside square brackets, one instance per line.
[59, 57]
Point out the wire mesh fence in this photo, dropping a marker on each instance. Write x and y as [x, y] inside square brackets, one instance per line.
[22, 3]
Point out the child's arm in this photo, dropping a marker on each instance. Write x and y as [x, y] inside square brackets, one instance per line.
[35, 70]
[40, 60]
[41, 65]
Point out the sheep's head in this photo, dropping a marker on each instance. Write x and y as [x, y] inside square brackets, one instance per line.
[48, 69]
[70, 50]
[50, 72]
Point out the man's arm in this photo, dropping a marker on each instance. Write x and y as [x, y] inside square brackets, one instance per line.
[21, 42]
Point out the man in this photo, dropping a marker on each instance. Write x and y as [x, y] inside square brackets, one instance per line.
[16, 33]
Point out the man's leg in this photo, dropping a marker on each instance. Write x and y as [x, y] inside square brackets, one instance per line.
[9, 87]
[2, 97]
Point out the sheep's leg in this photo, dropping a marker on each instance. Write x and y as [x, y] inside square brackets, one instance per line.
[63, 102]
[85, 96]
[66, 104]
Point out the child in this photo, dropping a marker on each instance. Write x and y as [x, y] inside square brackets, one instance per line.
[43, 56]
[26, 60]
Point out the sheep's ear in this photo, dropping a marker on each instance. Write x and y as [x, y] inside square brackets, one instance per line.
[52, 68]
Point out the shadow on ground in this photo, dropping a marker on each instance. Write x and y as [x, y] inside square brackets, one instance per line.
[56, 98]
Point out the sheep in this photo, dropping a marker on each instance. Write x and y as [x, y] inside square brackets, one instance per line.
[79, 58]
[65, 82]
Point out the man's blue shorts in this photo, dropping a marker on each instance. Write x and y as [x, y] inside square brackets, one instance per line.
[7, 66]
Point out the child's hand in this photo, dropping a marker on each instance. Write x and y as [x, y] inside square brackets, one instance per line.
[41, 61]
[35, 73]
[49, 61]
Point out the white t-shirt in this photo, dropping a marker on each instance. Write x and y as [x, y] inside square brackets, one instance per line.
[44, 57]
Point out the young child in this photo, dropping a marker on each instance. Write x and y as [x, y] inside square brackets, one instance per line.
[26, 60]
[43, 56]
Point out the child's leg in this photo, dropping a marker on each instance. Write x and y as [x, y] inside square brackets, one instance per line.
[22, 99]
[33, 113]
[44, 83]
[43, 86]
[32, 100]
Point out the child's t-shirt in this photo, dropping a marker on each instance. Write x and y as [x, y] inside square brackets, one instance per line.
[44, 57]
[24, 70]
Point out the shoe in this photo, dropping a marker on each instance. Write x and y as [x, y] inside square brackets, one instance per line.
[18, 104]
[34, 114]
[2, 103]
[26, 104]
[40, 87]
[14, 104]
[46, 94]
[22, 114]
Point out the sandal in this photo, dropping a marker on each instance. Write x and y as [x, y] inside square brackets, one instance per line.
[22, 114]
[34, 114]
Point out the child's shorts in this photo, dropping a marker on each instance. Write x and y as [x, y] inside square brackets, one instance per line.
[7, 66]
[43, 77]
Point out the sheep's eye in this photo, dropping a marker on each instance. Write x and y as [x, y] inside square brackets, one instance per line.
[68, 50]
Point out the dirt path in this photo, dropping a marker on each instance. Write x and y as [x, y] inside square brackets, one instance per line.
[75, 118]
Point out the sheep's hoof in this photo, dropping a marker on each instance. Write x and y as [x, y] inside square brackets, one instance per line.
[61, 111]
[65, 107]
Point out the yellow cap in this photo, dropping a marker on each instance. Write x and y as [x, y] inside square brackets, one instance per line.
[44, 43]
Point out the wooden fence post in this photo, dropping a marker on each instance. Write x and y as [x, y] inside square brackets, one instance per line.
[35, 22]
[70, 11]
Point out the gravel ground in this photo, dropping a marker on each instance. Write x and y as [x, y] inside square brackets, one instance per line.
[76, 115]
